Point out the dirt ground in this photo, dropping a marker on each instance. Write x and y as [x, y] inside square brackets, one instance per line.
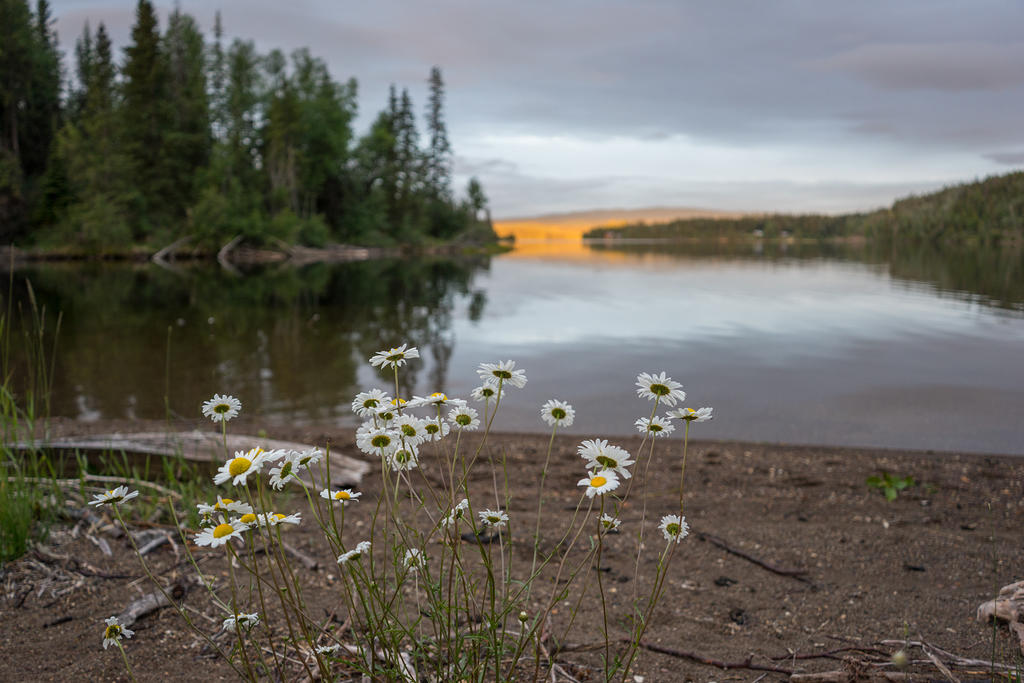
[912, 569]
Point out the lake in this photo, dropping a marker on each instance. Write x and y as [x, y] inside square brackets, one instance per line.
[808, 344]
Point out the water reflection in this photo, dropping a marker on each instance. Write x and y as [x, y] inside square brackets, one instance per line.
[806, 343]
[290, 340]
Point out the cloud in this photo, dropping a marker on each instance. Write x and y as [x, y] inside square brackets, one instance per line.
[1009, 158]
[947, 66]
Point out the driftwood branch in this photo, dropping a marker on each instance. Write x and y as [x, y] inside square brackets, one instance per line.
[798, 574]
[701, 659]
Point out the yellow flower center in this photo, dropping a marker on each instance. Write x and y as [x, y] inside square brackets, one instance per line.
[673, 529]
[248, 518]
[341, 495]
[438, 394]
[223, 530]
[598, 482]
[239, 466]
[110, 493]
[113, 631]
[279, 516]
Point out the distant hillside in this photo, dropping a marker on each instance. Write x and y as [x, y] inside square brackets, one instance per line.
[573, 225]
[990, 211]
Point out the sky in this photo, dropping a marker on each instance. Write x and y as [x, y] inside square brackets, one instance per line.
[567, 105]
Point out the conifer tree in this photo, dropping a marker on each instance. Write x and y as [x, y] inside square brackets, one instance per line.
[145, 119]
[439, 154]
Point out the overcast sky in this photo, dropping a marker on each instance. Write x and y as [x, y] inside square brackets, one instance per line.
[562, 105]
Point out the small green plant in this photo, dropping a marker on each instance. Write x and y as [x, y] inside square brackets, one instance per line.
[890, 485]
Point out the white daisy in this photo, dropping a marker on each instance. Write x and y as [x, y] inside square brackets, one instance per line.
[485, 392]
[457, 513]
[241, 466]
[414, 559]
[280, 475]
[388, 412]
[436, 399]
[599, 483]
[113, 496]
[600, 455]
[376, 440]
[609, 523]
[221, 534]
[278, 518]
[436, 430]
[394, 357]
[691, 415]
[656, 426]
[343, 496]
[674, 527]
[659, 386]
[504, 372]
[403, 458]
[361, 549]
[493, 518]
[465, 419]
[366, 403]
[224, 505]
[557, 413]
[246, 621]
[411, 428]
[308, 457]
[331, 650]
[114, 632]
[221, 408]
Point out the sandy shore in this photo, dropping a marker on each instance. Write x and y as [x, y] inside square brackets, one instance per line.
[791, 555]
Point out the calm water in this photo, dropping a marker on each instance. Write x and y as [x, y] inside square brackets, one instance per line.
[803, 345]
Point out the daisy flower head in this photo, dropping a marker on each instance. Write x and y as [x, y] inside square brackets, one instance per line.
[674, 528]
[403, 458]
[377, 440]
[659, 386]
[691, 415]
[331, 650]
[361, 549]
[278, 518]
[655, 426]
[114, 632]
[458, 512]
[466, 419]
[609, 523]
[437, 399]
[241, 466]
[221, 534]
[343, 496]
[366, 403]
[436, 430]
[280, 475]
[394, 357]
[600, 455]
[113, 496]
[387, 412]
[496, 519]
[599, 483]
[246, 621]
[224, 505]
[557, 413]
[308, 457]
[412, 429]
[485, 392]
[414, 559]
[221, 408]
[503, 372]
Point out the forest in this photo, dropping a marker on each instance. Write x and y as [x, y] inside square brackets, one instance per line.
[987, 212]
[188, 139]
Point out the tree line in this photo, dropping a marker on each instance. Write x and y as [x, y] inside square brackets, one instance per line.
[188, 139]
[986, 212]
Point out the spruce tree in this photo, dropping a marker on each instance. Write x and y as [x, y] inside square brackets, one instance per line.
[439, 154]
[145, 121]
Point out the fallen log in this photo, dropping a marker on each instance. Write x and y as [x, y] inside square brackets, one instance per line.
[194, 446]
